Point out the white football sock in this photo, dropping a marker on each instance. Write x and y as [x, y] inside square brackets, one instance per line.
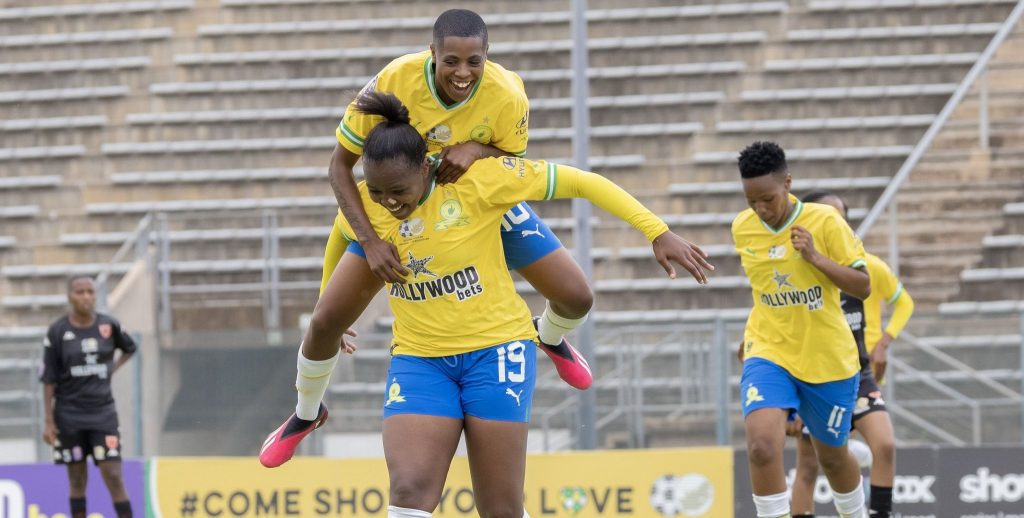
[553, 327]
[311, 383]
[850, 505]
[772, 506]
[402, 512]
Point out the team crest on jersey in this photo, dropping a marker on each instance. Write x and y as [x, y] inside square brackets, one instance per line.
[106, 330]
[482, 134]
[410, 228]
[777, 252]
[451, 215]
[440, 134]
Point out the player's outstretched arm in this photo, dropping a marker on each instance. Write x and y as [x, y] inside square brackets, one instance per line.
[381, 256]
[668, 247]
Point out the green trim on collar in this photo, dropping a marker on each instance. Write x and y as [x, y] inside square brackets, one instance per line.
[797, 209]
[430, 190]
[428, 75]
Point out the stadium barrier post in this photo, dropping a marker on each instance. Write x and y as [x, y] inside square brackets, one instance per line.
[164, 267]
[720, 356]
[582, 238]
[894, 238]
[983, 108]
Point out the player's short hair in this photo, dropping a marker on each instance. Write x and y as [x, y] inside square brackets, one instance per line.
[394, 137]
[818, 195]
[78, 276]
[761, 158]
[461, 23]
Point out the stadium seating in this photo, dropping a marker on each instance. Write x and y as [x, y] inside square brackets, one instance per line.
[217, 113]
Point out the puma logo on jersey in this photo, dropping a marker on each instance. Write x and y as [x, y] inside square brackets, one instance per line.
[535, 231]
[510, 392]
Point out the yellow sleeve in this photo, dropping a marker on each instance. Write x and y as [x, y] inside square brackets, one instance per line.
[574, 183]
[336, 245]
[841, 243]
[355, 125]
[508, 180]
[903, 307]
[887, 287]
[512, 128]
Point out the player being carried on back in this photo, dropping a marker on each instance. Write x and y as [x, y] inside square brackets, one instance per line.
[466, 108]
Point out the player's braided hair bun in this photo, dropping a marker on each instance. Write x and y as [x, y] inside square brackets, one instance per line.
[394, 138]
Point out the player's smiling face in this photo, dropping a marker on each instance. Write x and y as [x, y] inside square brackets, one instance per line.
[768, 195]
[458, 65]
[397, 185]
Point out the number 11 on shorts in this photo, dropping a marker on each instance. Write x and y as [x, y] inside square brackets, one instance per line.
[836, 418]
[515, 354]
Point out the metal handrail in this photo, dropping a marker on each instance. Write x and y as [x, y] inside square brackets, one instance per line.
[926, 141]
[925, 424]
[956, 395]
[960, 366]
[132, 242]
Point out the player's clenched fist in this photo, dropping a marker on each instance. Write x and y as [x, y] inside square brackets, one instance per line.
[803, 242]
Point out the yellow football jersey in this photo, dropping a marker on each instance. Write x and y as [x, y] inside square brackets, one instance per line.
[459, 296]
[884, 287]
[495, 113]
[797, 321]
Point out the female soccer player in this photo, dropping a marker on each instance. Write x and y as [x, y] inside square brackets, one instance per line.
[463, 357]
[466, 108]
[870, 417]
[799, 352]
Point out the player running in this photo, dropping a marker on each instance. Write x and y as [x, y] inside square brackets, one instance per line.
[466, 108]
[462, 353]
[870, 416]
[799, 352]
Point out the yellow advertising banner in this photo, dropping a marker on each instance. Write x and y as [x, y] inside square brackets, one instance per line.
[640, 483]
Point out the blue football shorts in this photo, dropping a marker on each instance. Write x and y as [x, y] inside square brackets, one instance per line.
[826, 408]
[524, 236]
[493, 383]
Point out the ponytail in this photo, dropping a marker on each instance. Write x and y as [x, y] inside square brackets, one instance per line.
[394, 137]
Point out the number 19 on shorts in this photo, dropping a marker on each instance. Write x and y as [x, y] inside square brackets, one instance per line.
[512, 363]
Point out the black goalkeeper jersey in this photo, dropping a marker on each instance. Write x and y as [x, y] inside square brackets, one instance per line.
[79, 362]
